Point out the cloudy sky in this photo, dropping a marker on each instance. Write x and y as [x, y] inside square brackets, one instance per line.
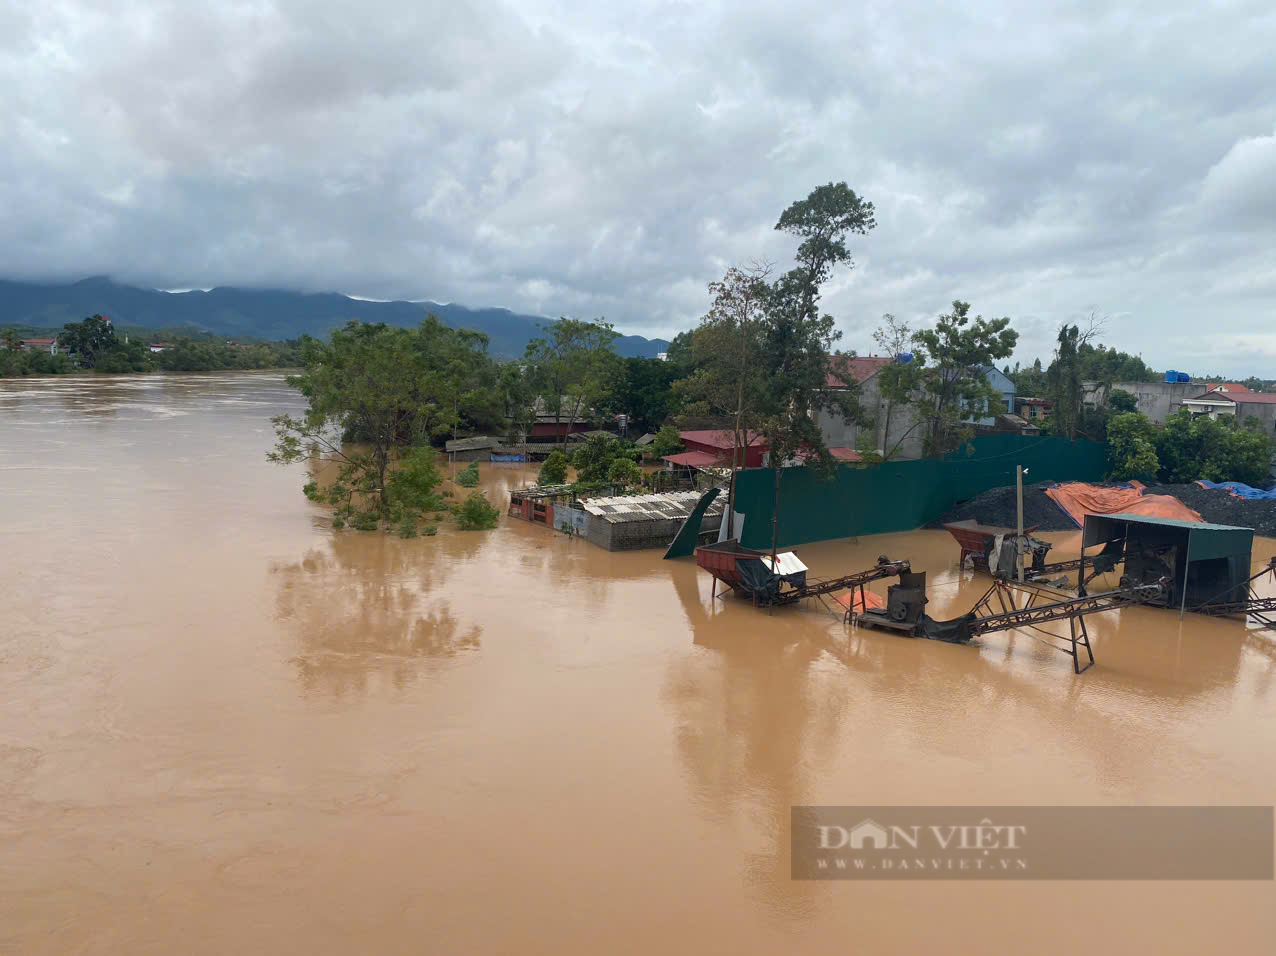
[564, 157]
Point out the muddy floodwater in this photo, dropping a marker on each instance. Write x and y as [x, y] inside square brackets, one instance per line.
[225, 728]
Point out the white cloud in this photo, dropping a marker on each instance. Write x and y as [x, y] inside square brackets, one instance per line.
[563, 157]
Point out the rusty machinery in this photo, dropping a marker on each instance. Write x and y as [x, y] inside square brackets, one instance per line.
[1252, 605]
[906, 602]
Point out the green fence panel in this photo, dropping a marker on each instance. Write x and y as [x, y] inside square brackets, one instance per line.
[902, 495]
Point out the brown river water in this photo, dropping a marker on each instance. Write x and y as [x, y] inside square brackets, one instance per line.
[226, 728]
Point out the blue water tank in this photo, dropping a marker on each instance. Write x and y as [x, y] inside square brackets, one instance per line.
[903, 358]
[1171, 376]
[1184, 377]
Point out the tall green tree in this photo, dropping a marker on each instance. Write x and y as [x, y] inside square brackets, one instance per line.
[729, 383]
[1064, 381]
[798, 339]
[88, 339]
[643, 390]
[572, 367]
[952, 357]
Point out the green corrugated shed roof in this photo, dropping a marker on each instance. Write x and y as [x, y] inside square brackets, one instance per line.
[1176, 523]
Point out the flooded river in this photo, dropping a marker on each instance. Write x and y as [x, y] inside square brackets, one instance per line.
[226, 728]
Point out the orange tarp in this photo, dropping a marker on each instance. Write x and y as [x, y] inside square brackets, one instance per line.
[875, 602]
[1079, 500]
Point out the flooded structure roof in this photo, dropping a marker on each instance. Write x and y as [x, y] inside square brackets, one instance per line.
[471, 444]
[666, 505]
[1204, 562]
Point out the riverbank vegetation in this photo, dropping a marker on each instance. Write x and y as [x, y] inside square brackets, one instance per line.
[95, 345]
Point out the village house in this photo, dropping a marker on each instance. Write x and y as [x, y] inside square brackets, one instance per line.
[713, 449]
[1220, 402]
[547, 427]
[1004, 387]
[40, 345]
[904, 437]
[1158, 400]
[1033, 409]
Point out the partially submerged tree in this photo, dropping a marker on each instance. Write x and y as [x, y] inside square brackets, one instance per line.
[374, 393]
[476, 513]
[954, 385]
[553, 469]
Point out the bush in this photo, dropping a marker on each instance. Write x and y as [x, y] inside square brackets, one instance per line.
[364, 521]
[468, 477]
[623, 471]
[476, 513]
[338, 522]
[407, 528]
[1131, 448]
[1122, 401]
[412, 483]
[1193, 448]
[553, 470]
[430, 530]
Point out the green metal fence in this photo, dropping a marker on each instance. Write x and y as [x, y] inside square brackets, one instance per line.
[901, 495]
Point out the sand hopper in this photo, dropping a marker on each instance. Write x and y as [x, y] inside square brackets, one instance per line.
[781, 580]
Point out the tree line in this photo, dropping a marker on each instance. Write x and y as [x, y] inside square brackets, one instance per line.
[94, 344]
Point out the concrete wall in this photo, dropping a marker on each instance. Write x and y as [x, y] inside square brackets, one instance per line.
[1157, 400]
[1265, 412]
[838, 433]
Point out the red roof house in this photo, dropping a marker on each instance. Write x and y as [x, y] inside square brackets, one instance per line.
[858, 369]
[718, 444]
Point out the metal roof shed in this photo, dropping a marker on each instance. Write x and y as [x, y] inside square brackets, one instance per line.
[1205, 562]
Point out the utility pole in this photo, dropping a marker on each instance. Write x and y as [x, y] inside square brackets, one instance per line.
[1019, 527]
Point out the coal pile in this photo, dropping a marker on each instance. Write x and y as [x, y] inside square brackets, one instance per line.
[996, 506]
[1219, 507]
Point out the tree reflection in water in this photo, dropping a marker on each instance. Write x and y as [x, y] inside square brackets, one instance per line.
[371, 609]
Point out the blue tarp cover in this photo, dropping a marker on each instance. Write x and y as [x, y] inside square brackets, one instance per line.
[1240, 490]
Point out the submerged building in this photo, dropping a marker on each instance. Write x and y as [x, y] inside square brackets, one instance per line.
[622, 523]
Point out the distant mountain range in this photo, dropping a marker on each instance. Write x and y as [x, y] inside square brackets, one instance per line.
[263, 313]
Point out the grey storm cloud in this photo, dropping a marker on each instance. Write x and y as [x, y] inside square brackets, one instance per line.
[1039, 161]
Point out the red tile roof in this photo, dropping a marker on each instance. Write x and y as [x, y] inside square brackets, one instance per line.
[860, 368]
[38, 341]
[717, 438]
[1230, 386]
